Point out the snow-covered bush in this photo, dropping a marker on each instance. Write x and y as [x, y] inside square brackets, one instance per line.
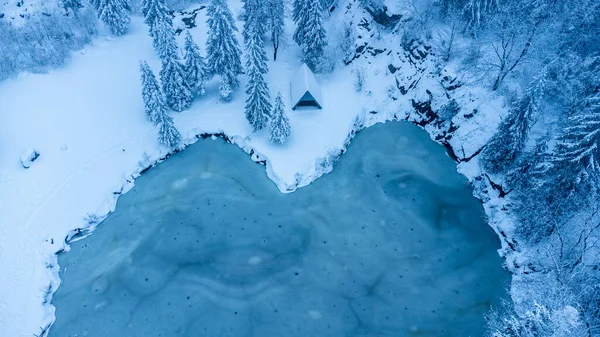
[28, 156]
[44, 41]
[539, 321]
[225, 91]
[391, 92]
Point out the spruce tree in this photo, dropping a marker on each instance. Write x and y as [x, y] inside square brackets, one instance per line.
[258, 105]
[314, 40]
[276, 15]
[154, 100]
[155, 12]
[300, 16]
[168, 134]
[164, 41]
[222, 48]
[254, 9]
[279, 129]
[194, 65]
[578, 147]
[172, 75]
[115, 14]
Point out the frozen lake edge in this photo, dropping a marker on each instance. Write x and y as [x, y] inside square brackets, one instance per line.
[439, 180]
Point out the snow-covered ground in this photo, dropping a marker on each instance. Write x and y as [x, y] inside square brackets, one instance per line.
[87, 122]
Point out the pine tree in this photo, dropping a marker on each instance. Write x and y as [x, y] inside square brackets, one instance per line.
[276, 15]
[155, 12]
[115, 14]
[578, 147]
[154, 100]
[254, 10]
[73, 5]
[168, 134]
[300, 16]
[194, 65]
[172, 75]
[314, 40]
[279, 129]
[164, 42]
[258, 105]
[222, 48]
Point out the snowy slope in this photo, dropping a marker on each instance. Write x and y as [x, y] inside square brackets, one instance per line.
[87, 122]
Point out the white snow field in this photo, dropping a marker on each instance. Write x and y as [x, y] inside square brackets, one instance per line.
[87, 122]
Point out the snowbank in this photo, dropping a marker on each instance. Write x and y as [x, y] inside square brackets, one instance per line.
[88, 121]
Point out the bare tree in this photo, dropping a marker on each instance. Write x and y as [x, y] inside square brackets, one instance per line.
[509, 53]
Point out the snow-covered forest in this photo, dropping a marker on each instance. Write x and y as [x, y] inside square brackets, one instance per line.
[511, 88]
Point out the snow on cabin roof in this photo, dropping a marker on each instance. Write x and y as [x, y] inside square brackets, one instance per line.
[305, 81]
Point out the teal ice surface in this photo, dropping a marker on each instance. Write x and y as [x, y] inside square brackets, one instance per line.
[391, 243]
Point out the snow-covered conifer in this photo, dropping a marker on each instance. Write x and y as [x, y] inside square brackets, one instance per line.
[578, 147]
[155, 11]
[194, 65]
[174, 84]
[154, 100]
[172, 75]
[222, 48]
[115, 14]
[168, 134]
[314, 40]
[254, 10]
[300, 16]
[258, 105]
[164, 40]
[276, 15]
[279, 129]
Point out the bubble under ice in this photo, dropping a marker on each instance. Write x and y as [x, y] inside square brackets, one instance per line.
[391, 243]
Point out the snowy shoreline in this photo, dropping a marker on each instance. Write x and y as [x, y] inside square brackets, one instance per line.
[81, 233]
[110, 144]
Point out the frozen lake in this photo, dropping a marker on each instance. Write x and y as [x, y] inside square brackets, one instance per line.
[391, 243]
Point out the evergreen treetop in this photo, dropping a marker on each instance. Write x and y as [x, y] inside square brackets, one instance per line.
[258, 105]
[175, 87]
[164, 41]
[279, 129]
[115, 14]
[314, 40]
[154, 101]
[578, 147]
[194, 65]
[155, 11]
[222, 48]
[168, 134]
[254, 15]
[300, 16]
